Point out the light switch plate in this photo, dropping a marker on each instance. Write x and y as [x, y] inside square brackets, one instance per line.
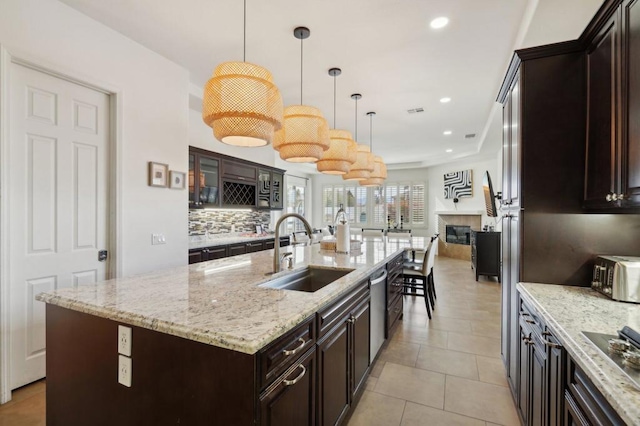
[124, 340]
[124, 370]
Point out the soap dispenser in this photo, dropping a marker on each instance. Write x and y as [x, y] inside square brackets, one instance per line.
[343, 235]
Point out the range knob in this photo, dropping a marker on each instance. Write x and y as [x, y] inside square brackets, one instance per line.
[607, 290]
[609, 197]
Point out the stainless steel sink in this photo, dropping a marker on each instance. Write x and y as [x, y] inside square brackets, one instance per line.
[309, 279]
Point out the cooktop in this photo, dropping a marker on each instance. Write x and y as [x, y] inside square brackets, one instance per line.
[601, 341]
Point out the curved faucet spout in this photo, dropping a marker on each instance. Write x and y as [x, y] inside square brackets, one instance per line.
[276, 246]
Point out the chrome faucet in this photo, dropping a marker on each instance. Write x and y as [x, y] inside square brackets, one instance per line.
[276, 246]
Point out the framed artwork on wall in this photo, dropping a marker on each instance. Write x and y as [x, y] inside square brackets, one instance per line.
[177, 179]
[158, 174]
[458, 184]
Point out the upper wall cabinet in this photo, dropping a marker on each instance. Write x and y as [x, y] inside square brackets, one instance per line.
[204, 180]
[612, 173]
[216, 180]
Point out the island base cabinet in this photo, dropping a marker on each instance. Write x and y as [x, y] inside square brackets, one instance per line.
[291, 399]
[333, 380]
[173, 380]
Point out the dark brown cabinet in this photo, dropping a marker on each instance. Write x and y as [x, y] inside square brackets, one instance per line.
[541, 373]
[291, 399]
[603, 114]
[270, 184]
[204, 179]
[612, 174]
[343, 354]
[236, 249]
[584, 404]
[485, 253]
[216, 180]
[394, 293]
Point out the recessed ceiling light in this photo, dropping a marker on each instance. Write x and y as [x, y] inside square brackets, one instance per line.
[449, 150]
[445, 100]
[439, 22]
[447, 132]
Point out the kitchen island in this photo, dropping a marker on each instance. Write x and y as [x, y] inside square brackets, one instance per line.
[201, 337]
[569, 311]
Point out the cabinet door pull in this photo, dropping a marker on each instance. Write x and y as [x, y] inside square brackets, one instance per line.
[529, 321]
[289, 352]
[297, 379]
[552, 345]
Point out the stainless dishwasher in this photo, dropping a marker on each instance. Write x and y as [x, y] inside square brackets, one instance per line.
[378, 311]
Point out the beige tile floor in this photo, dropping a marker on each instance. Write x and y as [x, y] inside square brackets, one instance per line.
[443, 371]
[447, 370]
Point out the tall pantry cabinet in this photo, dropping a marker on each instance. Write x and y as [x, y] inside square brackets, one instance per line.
[571, 161]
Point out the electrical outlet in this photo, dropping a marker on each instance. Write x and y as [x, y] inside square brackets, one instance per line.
[158, 239]
[124, 340]
[124, 370]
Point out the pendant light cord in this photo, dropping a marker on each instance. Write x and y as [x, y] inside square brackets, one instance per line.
[301, 53]
[334, 101]
[244, 37]
[371, 132]
[356, 119]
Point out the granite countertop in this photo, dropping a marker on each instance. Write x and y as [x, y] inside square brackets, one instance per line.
[570, 310]
[231, 239]
[220, 302]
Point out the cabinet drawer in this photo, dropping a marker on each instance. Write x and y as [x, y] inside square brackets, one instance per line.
[333, 314]
[394, 312]
[195, 257]
[269, 244]
[394, 288]
[215, 253]
[281, 354]
[237, 249]
[589, 400]
[253, 247]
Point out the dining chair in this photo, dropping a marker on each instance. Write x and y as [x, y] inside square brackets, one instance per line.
[416, 281]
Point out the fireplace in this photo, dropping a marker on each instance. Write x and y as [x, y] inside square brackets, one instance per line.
[458, 234]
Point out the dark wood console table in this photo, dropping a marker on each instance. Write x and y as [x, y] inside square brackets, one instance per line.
[485, 253]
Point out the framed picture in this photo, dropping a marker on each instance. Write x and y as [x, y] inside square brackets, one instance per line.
[177, 179]
[158, 174]
[458, 184]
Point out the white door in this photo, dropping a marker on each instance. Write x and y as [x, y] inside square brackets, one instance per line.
[59, 135]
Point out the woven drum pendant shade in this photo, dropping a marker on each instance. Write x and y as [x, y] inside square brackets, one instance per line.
[378, 175]
[242, 104]
[363, 166]
[342, 153]
[304, 136]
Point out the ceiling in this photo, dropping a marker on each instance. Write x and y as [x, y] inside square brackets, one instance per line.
[386, 49]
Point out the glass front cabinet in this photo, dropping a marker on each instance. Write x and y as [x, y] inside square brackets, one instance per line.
[204, 180]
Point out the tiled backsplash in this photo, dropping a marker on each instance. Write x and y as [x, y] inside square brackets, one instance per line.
[220, 221]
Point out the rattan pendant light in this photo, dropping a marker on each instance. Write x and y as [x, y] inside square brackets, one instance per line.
[241, 103]
[305, 134]
[363, 166]
[379, 173]
[342, 152]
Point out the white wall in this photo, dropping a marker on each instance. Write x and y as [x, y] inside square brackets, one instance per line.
[154, 116]
[434, 180]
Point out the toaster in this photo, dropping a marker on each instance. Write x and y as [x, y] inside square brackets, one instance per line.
[617, 277]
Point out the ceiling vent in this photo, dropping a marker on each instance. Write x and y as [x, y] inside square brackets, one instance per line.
[470, 136]
[415, 110]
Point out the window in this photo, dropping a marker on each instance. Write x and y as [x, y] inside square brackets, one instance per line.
[378, 206]
[352, 197]
[295, 204]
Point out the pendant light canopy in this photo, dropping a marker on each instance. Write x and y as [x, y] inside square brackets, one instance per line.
[364, 164]
[379, 173]
[241, 103]
[305, 133]
[342, 152]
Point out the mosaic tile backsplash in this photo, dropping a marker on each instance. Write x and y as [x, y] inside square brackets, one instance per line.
[221, 221]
